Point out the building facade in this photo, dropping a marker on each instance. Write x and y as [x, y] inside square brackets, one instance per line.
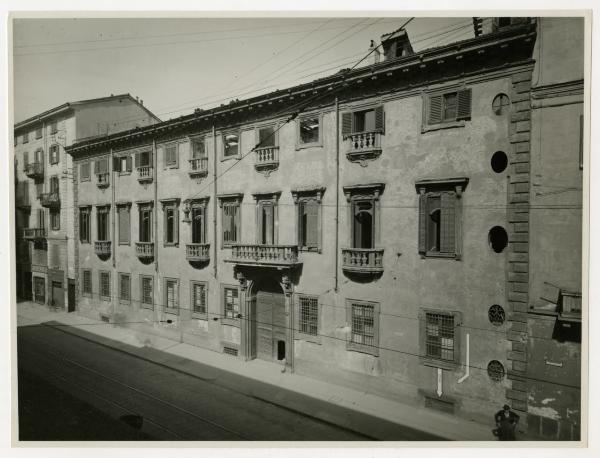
[44, 190]
[372, 228]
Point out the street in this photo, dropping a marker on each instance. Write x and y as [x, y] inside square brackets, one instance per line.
[158, 402]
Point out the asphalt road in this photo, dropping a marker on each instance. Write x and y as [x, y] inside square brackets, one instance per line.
[156, 402]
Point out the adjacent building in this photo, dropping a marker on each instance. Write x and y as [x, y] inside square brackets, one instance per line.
[44, 190]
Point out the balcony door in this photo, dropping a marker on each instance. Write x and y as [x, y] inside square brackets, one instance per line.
[266, 223]
[363, 227]
[39, 156]
[145, 225]
[198, 225]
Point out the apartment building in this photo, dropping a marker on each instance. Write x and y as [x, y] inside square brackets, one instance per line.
[44, 190]
[370, 228]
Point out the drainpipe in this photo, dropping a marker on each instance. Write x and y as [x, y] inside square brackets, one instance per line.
[337, 189]
[155, 176]
[112, 233]
[214, 201]
[464, 377]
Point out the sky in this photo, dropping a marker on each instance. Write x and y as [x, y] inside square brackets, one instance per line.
[177, 64]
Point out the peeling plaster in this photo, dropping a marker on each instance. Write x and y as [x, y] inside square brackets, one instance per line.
[547, 412]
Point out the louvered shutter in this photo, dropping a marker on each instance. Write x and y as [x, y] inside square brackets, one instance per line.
[104, 165]
[137, 160]
[123, 225]
[95, 167]
[464, 104]
[128, 163]
[149, 164]
[116, 164]
[422, 223]
[379, 119]
[311, 210]
[346, 124]
[435, 109]
[447, 235]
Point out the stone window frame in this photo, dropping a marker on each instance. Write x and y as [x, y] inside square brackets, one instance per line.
[118, 163]
[300, 196]
[119, 206]
[233, 199]
[358, 347]
[54, 153]
[53, 126]
[103, 209]
[25, 137]
[166, 308]
[167, 205]
[143, 304]
[360, 193]
[264, 125]
[121, 299]
[299, 335]
[39, 132]
[269, 198]
[224, 318]
[196, 314]
[200, 138]
[55, 218]
[461, 90]
[167, 165]
[84, 291]
[188, 209]
[143, 206]
[104, 297]
[83, 176]
[87, 209]
[430, 188]
[238, 156]
[319, 142]
[439, 363]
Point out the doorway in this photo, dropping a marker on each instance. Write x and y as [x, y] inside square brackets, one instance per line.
[71, 296]
[270, 331]
[58, 295]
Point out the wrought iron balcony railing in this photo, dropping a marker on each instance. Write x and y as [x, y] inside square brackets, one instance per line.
[362, 260]
[276, 255]
[144, 250]
[198, 252]
[198, 167]
[102, 247]
[50, 199]
[34, 170]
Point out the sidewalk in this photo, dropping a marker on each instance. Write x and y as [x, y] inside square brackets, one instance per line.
[388, 414]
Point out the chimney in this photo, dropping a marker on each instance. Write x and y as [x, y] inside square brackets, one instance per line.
[396, 44]
[141, 102]
[375, 54]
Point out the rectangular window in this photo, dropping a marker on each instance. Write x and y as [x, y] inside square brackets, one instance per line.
[199, 299]
[171, 154]
[309, 130]
[145, 234]
[39, 290]
[231, 144]
[266, 222]
[125, 288]
[266, 137]
[84, 225]
[198, 148]
[122, 164]
[124, 225]
[38, 132]
[26, 137]
[171, 221]
[230, 223]
[54, 184]
[308, 319]
[39, 190]
[55, 219]
[198, 224]
[104, 281]
[171, 294]
[146, 293]
[25, 160]
[84, 171]
[449, 107]
[102, 217]
[53, 127]
[143, 159]
[54, 154]
[41, 218]
[439, 338]
[363, 319]
[309, 224]
[231, 303]
[101, 170]
[86, 282]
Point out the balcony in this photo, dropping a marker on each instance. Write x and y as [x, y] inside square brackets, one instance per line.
[145, 174]
[264, 255]
[198, 167]
[144, 250]
[197, 252]
[267, 159]
[34, 233]
[50, 199]
[362, 260]
[35, 170]
[364, 147]
[102, 248]
[103, 180]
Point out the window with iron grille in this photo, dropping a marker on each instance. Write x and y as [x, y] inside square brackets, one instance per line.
[363, 320]
[230, 223]
[84, 171]
[231, 304]
[308, 315]
[171, 294]
[198, 299]
[86, 282]
[439, 338]
[125, 288]
[104, 285]
[146, 293]
[54, 154]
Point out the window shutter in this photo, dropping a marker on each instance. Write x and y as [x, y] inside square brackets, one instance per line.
[128, 163]
[435, 109]
[346, 124]
[116, 164]
[311, 210]
[447, 236]
[137, 160]
[464, 104]
[379, 118]
[104, 165]
[96, 167]
[25, 158]
[150, 160]
[123, 225]
[422, 223]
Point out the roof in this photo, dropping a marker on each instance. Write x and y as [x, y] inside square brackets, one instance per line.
[441, 55]
[69, 105]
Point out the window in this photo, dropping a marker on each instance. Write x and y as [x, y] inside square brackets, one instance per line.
[500, 104]
[231, 304]
[54, 154]
[171, 154]
[198, 299]
[230, 219]
[267, 137]
[122, 164]
[309, 210]
[39, 156]
[104, 285]
[440, 217]
[39, 290]
[39, 190]
[171, 222]
[231, 144]
[102, 219]
[171, 295]
[101, 170]
[198, 214]
[26, 137]
[54, 185]
[308, 315]
[41, 218]
[266, 208]
[38, 132]
[86, 282]
[84, 171]
[84, 224]
[143, 159]
[364, 121]
[364, 214]
[198, 148]
[124, 224]
[145, 224]
[309, 130]
[53, 127]
[439, 338]
[449, 107]
[25, 160]
[363, 319]
[146, 293]
[125, 288]
[55, 219]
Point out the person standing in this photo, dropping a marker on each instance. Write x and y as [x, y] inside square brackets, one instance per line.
[506, 422]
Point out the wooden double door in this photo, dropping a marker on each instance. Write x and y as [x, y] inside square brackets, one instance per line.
[270, 323]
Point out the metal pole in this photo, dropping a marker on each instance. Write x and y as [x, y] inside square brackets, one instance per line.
[155, 176]
[115, 278]
[214, 135]
[337, 189]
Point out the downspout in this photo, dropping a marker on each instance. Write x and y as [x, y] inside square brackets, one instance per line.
[155, 176]
[112, 236]
[467, 362]
[337, 189]
[214, 135]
